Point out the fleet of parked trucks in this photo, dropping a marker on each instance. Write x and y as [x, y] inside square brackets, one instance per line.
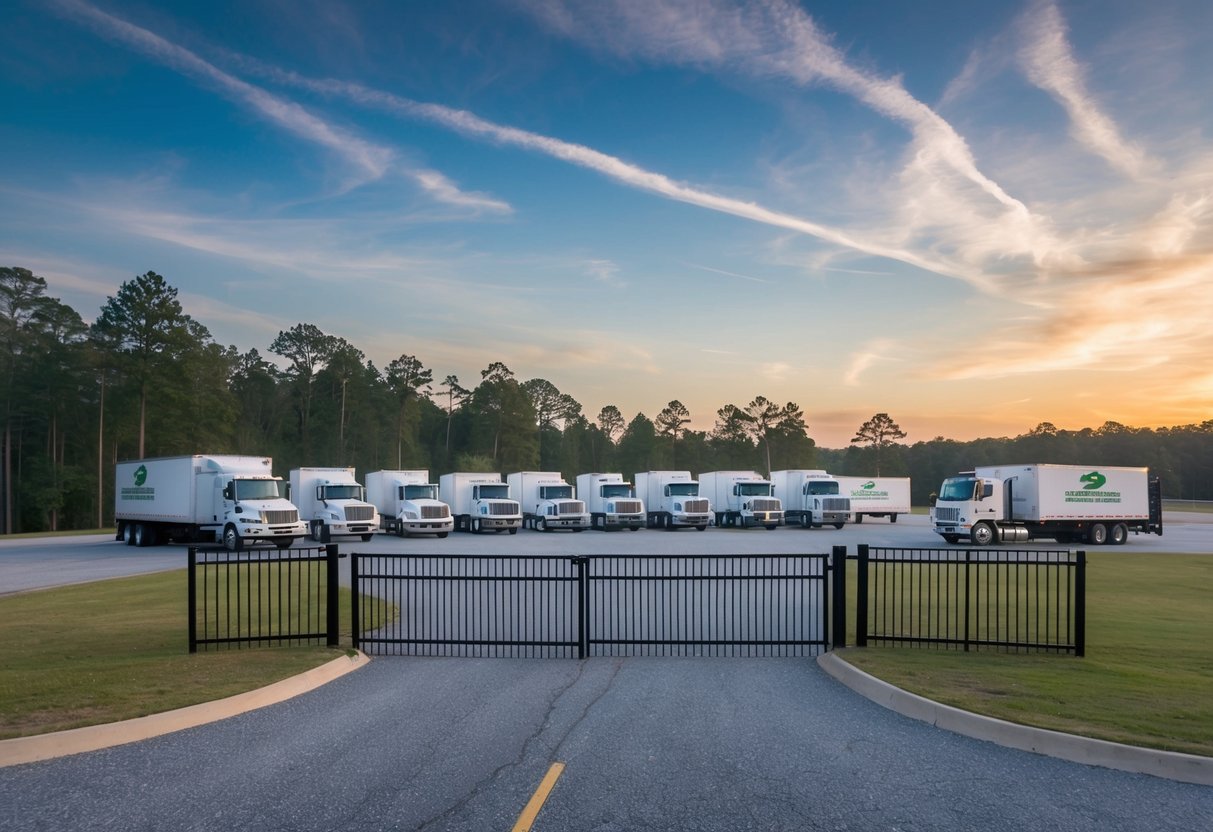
[202, 499]
[811, 498]
[742, 498]
[333, 503]
[611, 501]
[673, 501]
[1069, 503]
[480, 502]
[408, 503]
[548, 502]
[876, 496]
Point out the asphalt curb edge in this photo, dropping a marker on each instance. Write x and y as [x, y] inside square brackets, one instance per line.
[62, 743]
[1186, 768]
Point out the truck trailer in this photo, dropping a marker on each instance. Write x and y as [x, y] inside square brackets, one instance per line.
[611, 501]
[548, 502]
[333, 503]
[672, 500]
[203, 498]
[408, 503]
[876, 496]
[1069, 503]
[480, 502]
[811, 498]
[741, 498]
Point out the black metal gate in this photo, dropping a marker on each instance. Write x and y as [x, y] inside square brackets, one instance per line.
[602, 605]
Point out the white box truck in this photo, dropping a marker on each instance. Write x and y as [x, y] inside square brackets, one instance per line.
[741, 498]
[480, 502]
[333, 503]
[876, 496]
[548, 502]
[408, 503]
[204, 498]
[1069, 503]
[811, 498]
[672, 500]
[611, 501]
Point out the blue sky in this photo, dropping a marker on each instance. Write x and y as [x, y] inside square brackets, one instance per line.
[974, 217]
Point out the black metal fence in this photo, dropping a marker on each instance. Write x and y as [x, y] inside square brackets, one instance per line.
[574, 607]
[259, 598]
[970, 599]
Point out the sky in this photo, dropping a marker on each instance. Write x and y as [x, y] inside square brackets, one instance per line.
[972, 217]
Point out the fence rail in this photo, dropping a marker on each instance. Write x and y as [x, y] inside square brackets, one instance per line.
[969, 599]
[259, 598]
[604, 605]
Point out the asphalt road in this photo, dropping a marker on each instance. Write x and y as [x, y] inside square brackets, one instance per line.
[648, 744]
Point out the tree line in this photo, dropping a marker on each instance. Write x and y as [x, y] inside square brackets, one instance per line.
[146, 379]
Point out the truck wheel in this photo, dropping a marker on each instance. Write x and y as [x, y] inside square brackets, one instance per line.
[231, 539]
[283, 542]
[366, 538]
[982, 534]
[314, 530]
[1097, 535]
[128, 534]
[441, 535]
[634, 528]
[1118, 535]
[951, 538]
[400, 530]
[145, 535]
[859, 518]
[839, 525]
[513, 531]
[892, 518]
[539, 524]
[701, 528]
[772, 528]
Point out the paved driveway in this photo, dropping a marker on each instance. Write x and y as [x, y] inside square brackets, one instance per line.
[660, 744]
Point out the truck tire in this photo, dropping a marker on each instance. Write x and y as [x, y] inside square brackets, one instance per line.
[772, 527]
[859, 518]
[314, 530]
[702, 528]
[474, 525]
[231, 539]
[366, 538]
[283, 542]
[839, 525]
[513, 531]
[951, 538]
[1097, 535]
[145, 535]
[983, 534]
[128, 534]
[440, 535]
[892, 518]
[1118, 535]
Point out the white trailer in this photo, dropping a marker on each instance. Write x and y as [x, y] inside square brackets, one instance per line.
[408, 503]
[741, 498]
[548, 502]
[611, 501]
[203, 498]
[480, 502]
[1069, 503]
[876, 496]
[673, 501]
[333, 503]
[811, 498]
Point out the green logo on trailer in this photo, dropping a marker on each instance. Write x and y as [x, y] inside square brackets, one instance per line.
[1093, 480]
[141, 475]
[869, 485]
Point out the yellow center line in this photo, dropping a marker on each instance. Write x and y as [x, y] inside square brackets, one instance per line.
[531, 811]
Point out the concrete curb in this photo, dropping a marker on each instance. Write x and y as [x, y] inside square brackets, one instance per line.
[62, 743]
[1186, 768]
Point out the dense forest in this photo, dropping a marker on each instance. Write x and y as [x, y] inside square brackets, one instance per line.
[145, 379]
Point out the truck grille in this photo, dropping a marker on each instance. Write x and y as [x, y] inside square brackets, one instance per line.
[765, 505]
[627, 506]
[571, 507]
[435, 512]
[275, 518]
[947, 515]
[503, 509]
[695, 506]
[836, 504]
[359, 513]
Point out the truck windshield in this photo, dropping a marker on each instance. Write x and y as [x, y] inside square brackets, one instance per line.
[493, 492]
[343, 492]
[555, 492]
[421, 492]
[258, 489]
[957, 490]
[621, 489]
[682, 489]
[820, 487]
[753, 489]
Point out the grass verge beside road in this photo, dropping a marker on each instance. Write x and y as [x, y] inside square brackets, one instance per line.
[1145, 680]
[118, 649]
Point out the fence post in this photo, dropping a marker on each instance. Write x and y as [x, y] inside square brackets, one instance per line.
[355, 621]
[861, 597]
[192, 613]
[1080, 605]
[839, 624]
[968, 560]
[333, 625]
[583, 603]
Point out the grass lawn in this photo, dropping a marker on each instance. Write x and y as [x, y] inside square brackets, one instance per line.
[1147, 678]
[117, 649]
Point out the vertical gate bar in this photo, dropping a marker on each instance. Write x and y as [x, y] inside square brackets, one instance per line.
[1080, 604]
[583, 614]
[355, 591]
[334, 623]
[840, 597]
[968, 560]
[861, 596]
[192, 590]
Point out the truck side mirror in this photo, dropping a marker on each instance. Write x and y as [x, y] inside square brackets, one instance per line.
[227, 492]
